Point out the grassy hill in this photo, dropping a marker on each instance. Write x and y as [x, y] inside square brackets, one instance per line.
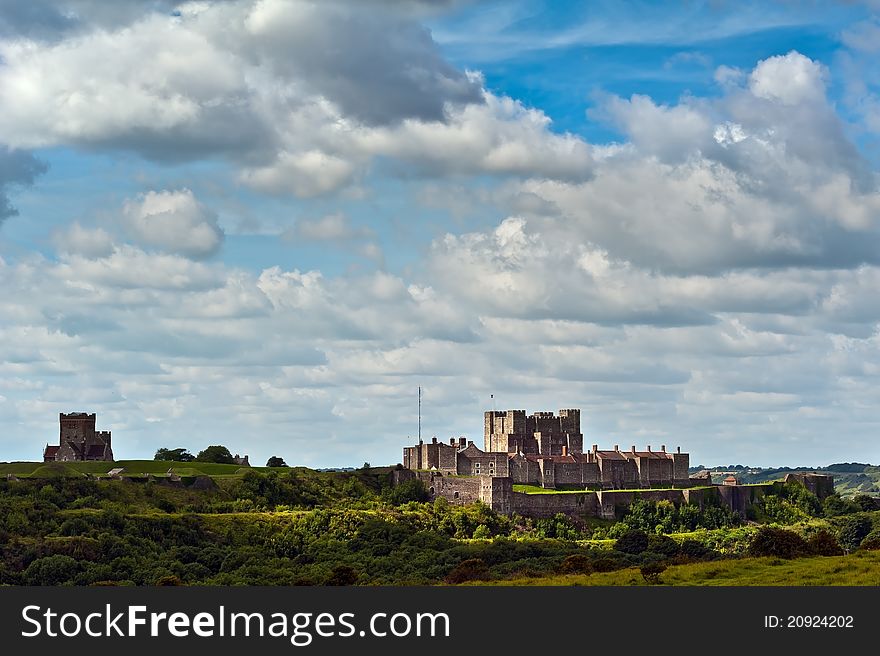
[131, 467]
[860, 568]
[850, 478]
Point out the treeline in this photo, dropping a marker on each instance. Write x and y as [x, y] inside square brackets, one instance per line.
[216, 453]
[353, 528]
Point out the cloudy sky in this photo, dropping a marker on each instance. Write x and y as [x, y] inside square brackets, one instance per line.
[265, 223]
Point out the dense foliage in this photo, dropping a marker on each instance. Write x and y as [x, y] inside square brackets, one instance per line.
[300, 527]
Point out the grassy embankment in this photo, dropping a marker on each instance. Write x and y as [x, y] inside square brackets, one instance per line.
[859, 568]
[131, 467]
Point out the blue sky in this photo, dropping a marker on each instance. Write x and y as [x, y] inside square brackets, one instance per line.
[265, 223]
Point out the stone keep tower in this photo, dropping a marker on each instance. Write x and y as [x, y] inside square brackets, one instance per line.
[541, 433]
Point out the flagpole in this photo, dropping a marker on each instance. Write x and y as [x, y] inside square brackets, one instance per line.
[420, 414]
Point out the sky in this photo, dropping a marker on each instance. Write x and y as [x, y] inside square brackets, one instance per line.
[266, 223]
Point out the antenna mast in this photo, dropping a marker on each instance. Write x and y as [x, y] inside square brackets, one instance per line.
[420, 414]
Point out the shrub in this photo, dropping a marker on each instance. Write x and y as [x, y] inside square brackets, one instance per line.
[663, 545]
[576, 564]
[168, 579]
[651, 572]
[693, 548]
[770, 541]
[342, 575]
[823, 543]
[51, 570]
[871, 541]
[633, 541]
[472, 569]
[482, 532]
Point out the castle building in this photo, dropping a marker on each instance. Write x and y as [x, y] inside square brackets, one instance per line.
[546, 450]
[78, 440]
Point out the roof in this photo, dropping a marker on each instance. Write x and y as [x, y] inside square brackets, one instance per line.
[51, 451]
[656, 455]
[572, 457]
[115, 471]
[96, 450]
[611, 455]
[730, 479]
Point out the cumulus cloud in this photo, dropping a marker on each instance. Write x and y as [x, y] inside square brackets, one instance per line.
[173, 221]
[262, 83]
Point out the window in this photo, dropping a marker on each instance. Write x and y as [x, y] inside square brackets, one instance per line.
[455, 495]
[476, 468]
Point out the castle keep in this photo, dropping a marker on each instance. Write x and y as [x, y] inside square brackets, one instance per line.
[79, 440]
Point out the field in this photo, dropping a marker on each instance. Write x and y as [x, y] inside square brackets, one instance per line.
[860, 568]
[131, 467]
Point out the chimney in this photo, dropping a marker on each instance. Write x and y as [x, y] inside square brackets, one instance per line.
[663, 448]
[633, 449]
[452, 441]
[678, 449]
[616, 447]
[595, 448]
[462, 441]
[649, 448]
[433, 440]
[564, 450]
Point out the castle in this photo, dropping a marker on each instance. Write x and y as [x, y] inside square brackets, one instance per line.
[543, 450]
[79, 440]
[546, 450]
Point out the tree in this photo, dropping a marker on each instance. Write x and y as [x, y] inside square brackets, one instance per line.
[175, 455]
[853, 530]
[276, 461]
[215, 453]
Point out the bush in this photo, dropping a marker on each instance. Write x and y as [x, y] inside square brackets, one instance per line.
[51, 570]
[871, 541]
[694, 549]
[663, 545]
[633, 541]
[769, 541]
[822, 543]
[482, 532]
[342, 575]
[168, 579]
[651, 572]
[413, 490]
[472, 569]
[576, 564]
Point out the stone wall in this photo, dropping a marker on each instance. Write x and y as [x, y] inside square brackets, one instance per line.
[822, 485]
[575, 504]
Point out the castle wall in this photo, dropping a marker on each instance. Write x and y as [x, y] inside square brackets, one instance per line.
[822, 485]
[575, 504]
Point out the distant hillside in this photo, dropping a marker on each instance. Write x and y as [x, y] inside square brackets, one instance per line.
[850, 478]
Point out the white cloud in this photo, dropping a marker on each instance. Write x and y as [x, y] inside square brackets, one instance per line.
[173, 221]
[791, 79]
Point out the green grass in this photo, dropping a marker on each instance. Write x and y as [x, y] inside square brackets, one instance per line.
[132, 468]
[860, 568]
[535, 489]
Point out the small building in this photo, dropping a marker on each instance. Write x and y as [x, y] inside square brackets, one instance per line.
[730, 480]
[241, 461]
